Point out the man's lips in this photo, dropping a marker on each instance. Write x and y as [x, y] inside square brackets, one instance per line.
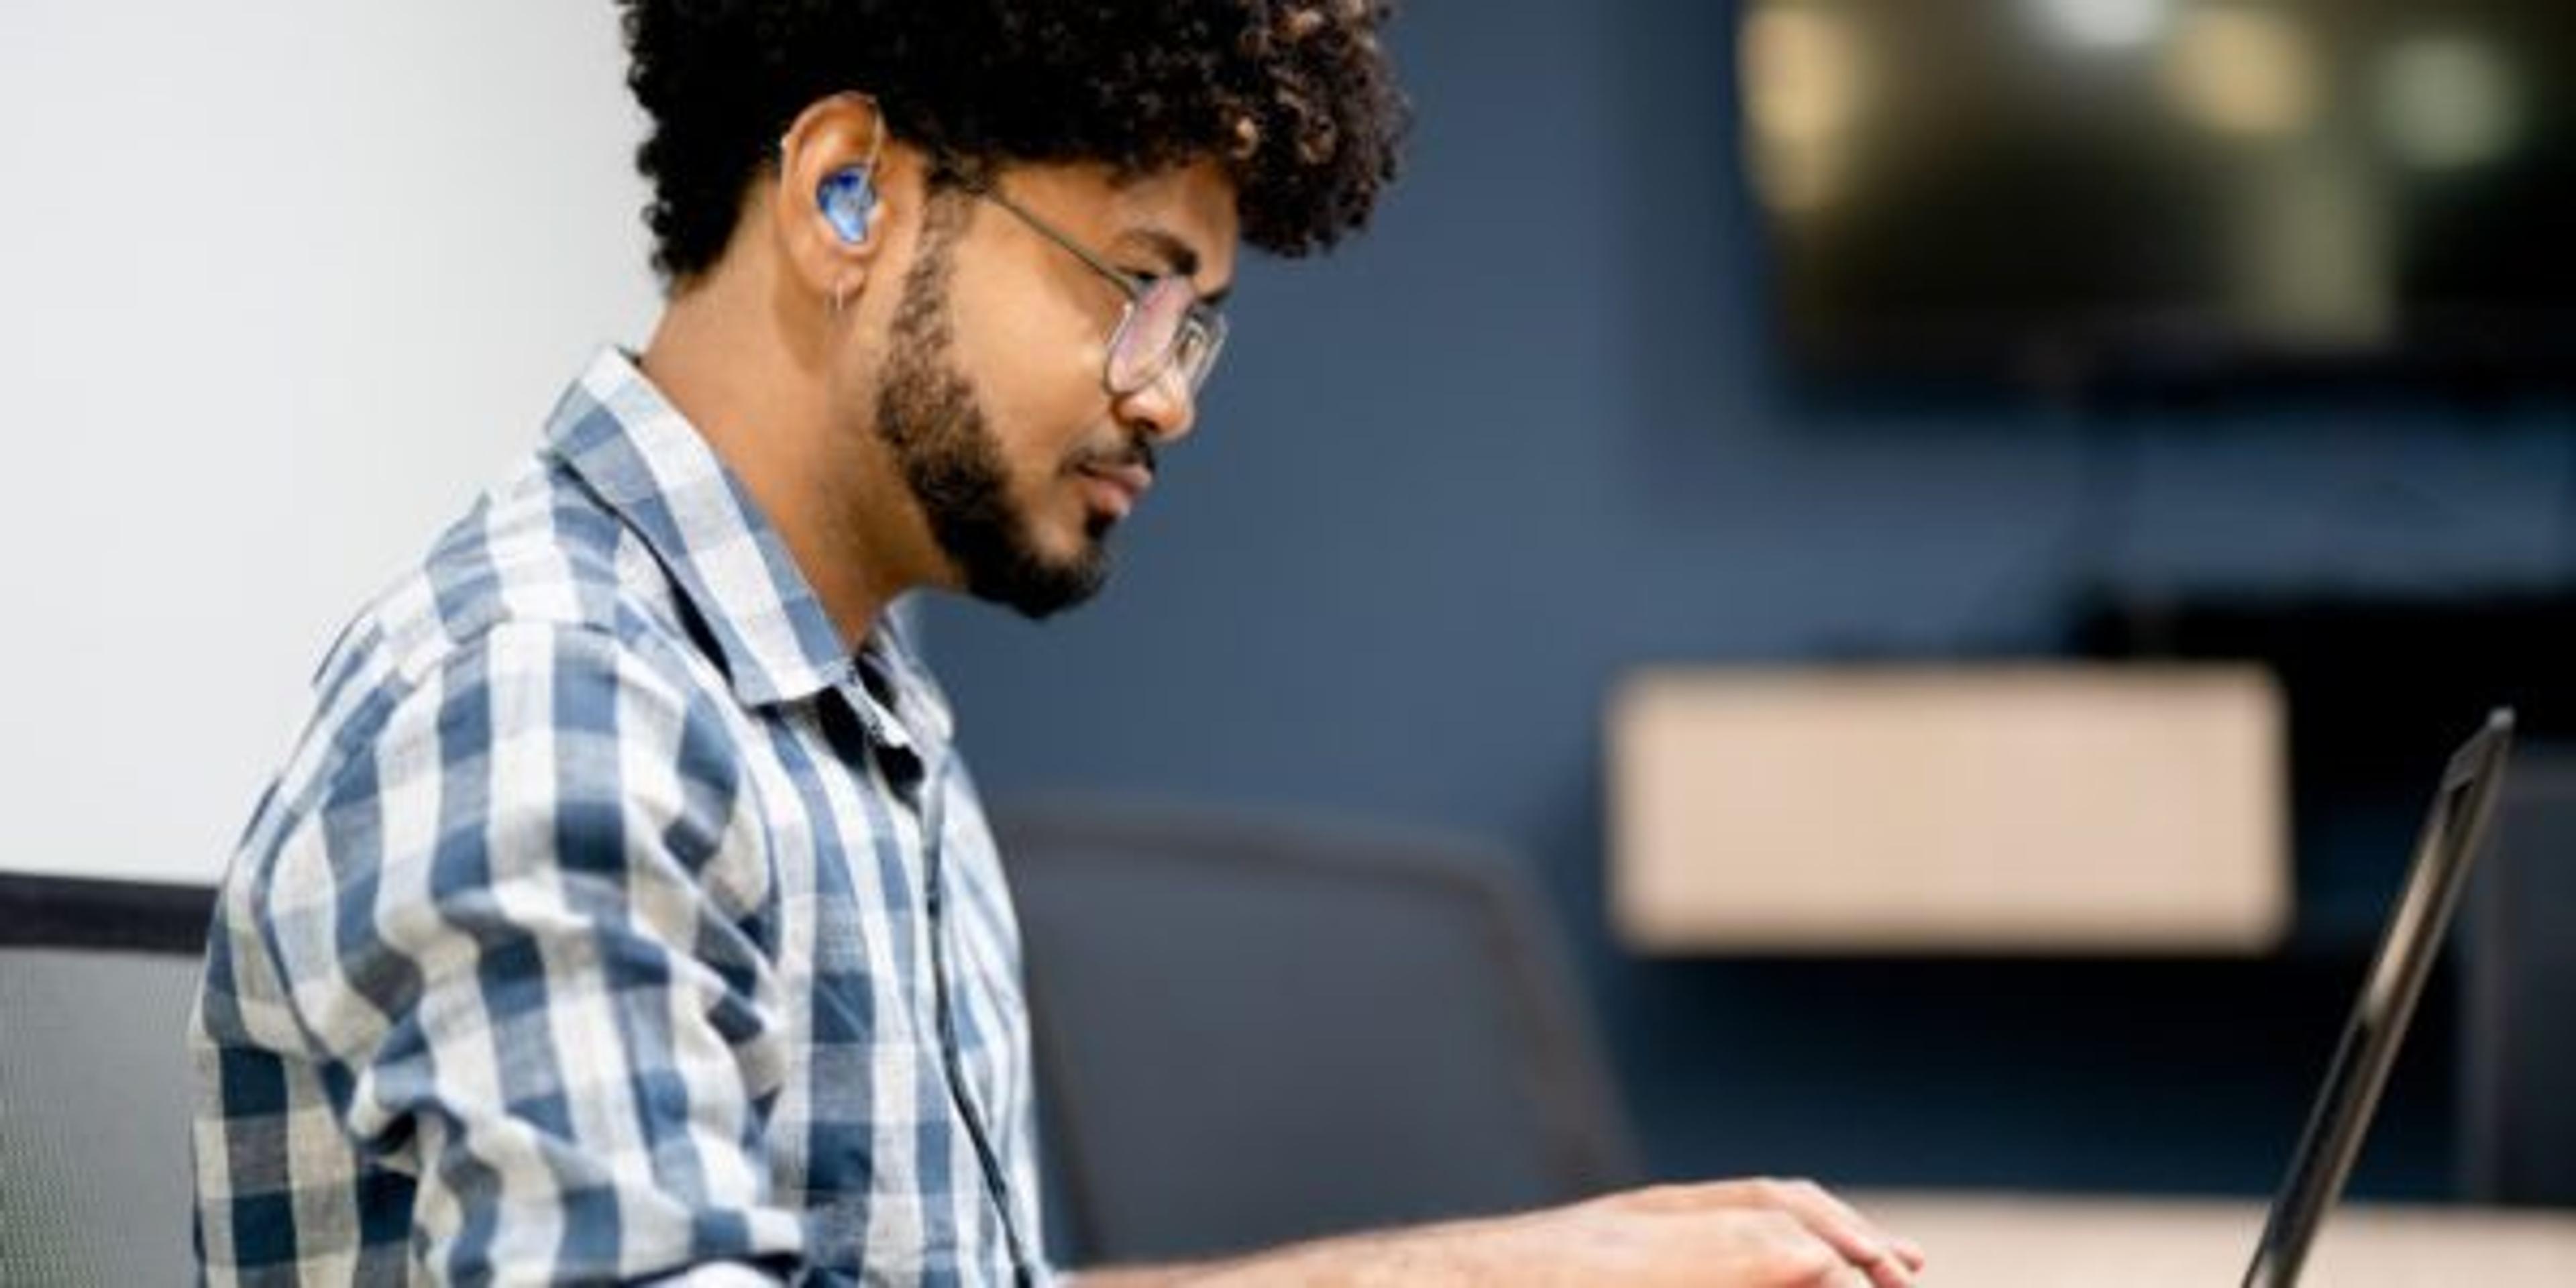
[1119, 486]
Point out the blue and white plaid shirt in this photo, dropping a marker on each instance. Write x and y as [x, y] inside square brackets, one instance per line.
[597, 928]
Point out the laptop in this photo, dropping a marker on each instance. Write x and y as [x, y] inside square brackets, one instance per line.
[2454, 833]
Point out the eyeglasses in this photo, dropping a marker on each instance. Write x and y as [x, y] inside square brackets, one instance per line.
[1166, 327]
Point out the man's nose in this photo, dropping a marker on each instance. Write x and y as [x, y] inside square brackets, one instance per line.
[1165, 407]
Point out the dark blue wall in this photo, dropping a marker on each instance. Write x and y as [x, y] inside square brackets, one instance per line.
[1522, 437]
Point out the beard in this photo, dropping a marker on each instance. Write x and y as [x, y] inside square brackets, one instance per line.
[932, 424]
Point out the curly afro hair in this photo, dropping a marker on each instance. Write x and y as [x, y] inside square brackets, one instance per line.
[1294, 97]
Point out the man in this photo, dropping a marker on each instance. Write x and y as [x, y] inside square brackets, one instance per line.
[625, 913]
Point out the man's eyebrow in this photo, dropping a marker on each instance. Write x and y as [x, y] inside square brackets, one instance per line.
[1177, 255]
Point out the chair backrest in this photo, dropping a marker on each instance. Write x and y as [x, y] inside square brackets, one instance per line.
[2518, 953]
[96, 982]
[1251, 1033]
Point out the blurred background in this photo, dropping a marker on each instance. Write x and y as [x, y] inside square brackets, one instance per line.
[1883, 332]
[1813, 338]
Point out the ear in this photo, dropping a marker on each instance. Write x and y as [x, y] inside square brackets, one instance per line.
[842, 183]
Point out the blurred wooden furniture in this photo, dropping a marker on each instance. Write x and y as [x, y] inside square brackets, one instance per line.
[2009, 809]
[2018, 1241]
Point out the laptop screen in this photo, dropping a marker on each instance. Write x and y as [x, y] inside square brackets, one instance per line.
[2454, 832]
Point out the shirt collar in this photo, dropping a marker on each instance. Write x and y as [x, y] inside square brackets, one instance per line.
[921, 706]
[616, 432]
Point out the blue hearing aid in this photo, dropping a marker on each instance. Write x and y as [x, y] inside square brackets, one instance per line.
[849, 202]
[848, 196]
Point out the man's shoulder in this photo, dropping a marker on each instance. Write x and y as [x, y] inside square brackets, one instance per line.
[535, 553]
[537, 623]
[536, 558]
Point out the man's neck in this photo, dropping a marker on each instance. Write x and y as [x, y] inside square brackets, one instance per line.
[759, 397]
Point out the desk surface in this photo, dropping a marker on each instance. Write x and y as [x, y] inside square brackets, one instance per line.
[2016, 1241]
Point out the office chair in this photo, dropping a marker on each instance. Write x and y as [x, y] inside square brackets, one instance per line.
[1251, 1033]
[2518, 959]
[96, 982]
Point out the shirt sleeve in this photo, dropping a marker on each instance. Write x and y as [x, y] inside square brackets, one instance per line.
[522, 933]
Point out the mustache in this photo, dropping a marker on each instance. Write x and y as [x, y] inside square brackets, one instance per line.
[1137, 451]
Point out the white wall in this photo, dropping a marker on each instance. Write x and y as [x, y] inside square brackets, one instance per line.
[282, 282]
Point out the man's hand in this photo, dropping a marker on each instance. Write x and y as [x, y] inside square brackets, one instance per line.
[1756, 1234]
[1729, 1234]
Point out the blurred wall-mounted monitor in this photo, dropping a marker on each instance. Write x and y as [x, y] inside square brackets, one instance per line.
[2065, 192]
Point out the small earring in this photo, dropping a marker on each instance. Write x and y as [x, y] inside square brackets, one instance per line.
[840, 298]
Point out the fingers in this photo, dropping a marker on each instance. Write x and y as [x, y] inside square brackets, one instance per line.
[1792, 1255]
[1885, 1261]
[1912, 1252]
[1776, 1234]
[1855, 1236]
